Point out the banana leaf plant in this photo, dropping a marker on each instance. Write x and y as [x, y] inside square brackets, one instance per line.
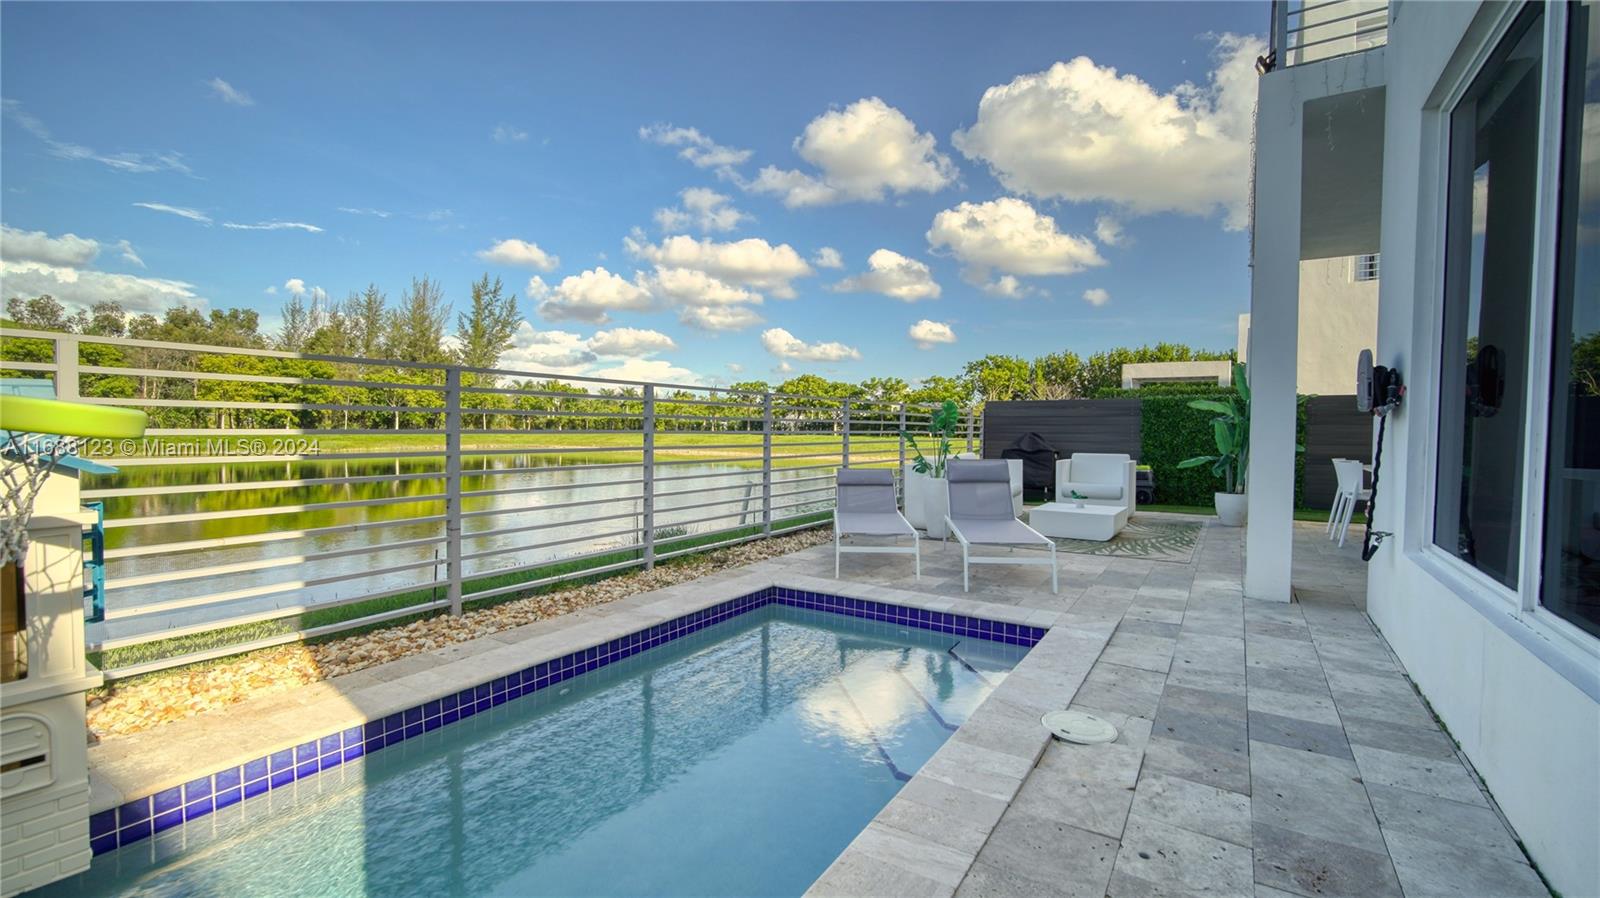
[942, 428]
[1231, 431]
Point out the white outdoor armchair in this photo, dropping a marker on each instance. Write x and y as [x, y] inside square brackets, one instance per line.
[866, 507]
[1101, 478]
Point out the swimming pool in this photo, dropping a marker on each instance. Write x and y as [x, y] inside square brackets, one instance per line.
[739, 760]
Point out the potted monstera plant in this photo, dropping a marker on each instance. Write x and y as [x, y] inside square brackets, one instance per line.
[1231, 431]
[927, 500]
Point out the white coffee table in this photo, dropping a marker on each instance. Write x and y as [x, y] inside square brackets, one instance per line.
[1063, 520]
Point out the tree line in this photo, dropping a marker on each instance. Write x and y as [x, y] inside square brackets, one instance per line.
[414, 329]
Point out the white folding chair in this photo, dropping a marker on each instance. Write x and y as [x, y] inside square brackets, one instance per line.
[1350, 475]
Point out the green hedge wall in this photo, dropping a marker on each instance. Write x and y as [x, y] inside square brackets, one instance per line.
[1159, 388]
[1171, 431]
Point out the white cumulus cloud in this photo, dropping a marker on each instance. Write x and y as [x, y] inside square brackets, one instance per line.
[827, 257]
[520, 252]
[128, 253]
[697, 148]
[81, 288]
[690, 286]
[298, 287]
[590, 296]
[752, 263]
[785, 345]
[1096, 296]
[928, 334]
[564, 353]
[893, 275]
[227, 93]
[865, 151]
[630, 342]
[553, 351]
[1109, 231]
[1007, 286]
[1009, 236]
[701, 208]
[1084, 132]
[649, 371]
[180, 211]
[719, 318]
[65, 251]
[504, 133]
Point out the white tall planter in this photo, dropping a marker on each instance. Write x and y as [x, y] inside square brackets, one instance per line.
[927, 502]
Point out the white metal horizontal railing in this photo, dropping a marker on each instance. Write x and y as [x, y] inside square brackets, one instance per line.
[231, 527]
[1306, 31]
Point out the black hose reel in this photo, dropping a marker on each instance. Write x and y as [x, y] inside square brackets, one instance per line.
[1379, 391]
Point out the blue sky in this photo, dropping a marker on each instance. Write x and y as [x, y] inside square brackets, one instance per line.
[574, 129]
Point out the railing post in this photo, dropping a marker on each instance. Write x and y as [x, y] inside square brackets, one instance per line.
[844, 414]
[766, 464]
[67, 367]
[900, 470]
[1280, 32]
[969, 428]
[648, 502]
[452, 479]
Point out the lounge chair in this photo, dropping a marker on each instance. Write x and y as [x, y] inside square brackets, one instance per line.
[866, 507]
[980, 515]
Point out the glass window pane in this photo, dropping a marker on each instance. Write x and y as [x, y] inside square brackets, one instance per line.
[1571, 583]
[1488, 286]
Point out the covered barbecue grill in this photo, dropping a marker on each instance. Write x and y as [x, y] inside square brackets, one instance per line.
[1038, 462]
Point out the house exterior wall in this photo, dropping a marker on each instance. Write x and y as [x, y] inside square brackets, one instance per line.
[1521, 698]
[1338, 319]
[1138, 374]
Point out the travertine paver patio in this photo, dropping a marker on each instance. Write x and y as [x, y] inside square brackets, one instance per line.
[1266, 749]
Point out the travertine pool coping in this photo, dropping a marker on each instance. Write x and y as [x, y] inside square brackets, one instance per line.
[930, 832]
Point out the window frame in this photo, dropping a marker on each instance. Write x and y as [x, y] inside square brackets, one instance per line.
[1522, 603]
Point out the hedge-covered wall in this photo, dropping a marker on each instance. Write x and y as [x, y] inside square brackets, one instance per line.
[1171, 431]
[1160, 388]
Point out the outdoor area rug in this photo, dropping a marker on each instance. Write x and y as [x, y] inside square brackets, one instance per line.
[1156, 539]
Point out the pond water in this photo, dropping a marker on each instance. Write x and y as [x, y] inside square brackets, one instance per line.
[581, 504]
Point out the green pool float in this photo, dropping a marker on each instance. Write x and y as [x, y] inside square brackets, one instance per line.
[28, 414]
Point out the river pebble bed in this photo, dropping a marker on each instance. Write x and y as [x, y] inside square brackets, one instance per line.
[139, 704]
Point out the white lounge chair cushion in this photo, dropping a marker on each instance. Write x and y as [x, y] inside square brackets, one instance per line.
[1089, 490]
[867, 523]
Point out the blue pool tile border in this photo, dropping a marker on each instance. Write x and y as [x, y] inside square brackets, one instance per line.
[137, 820]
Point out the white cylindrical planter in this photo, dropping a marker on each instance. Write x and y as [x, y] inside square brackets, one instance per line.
[933, 501]
[913, 496]
[1231, 508]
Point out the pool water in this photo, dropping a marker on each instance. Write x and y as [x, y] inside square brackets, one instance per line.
[737, 761]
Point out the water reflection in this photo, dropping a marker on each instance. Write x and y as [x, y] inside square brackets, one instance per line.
[290, 556]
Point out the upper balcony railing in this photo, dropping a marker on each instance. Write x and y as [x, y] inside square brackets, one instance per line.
[1305, 32]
